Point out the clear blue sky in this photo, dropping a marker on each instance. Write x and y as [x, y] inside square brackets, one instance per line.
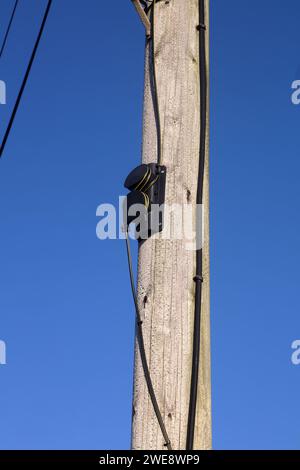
[66, 310]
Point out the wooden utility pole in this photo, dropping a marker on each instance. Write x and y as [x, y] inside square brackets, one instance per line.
[166, 268]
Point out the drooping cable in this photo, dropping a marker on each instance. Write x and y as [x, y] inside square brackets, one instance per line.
[199, 254]
[8, 28]
[140, 339]
[154, 87]
[20, 94]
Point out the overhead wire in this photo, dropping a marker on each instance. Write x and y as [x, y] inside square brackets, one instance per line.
[199, 252]
[8, 28]
[25, 79]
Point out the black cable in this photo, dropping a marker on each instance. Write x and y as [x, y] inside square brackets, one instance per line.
[199, 255]
[140, 339]
[154, 86]
[8, 28]
[139, 329]
[11, 121]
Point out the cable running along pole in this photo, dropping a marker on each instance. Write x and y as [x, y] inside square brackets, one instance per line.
[17, 103]
[154, 86]
[139, 322]
[199, 254]
[8, 28]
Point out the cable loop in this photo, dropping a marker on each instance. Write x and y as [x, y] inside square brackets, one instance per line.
[141, 345]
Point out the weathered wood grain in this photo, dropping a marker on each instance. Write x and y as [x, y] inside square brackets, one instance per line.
[166, 268]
